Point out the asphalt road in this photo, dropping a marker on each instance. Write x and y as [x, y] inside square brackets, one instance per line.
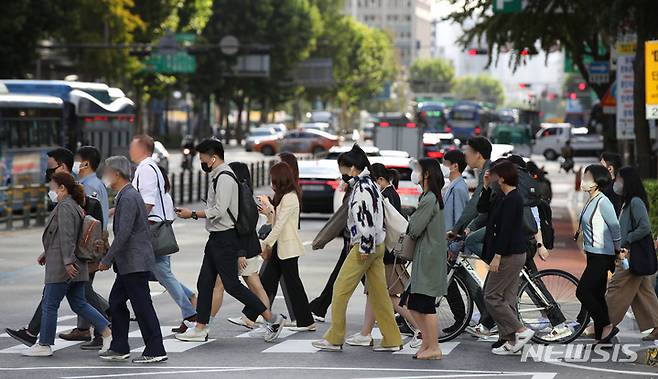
[232, 353]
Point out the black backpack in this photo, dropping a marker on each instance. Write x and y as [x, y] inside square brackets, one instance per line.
[546, 218]
[247, 219]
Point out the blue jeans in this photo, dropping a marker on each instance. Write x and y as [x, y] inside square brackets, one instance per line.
[53, 294]
[176, 289]
[474, 241]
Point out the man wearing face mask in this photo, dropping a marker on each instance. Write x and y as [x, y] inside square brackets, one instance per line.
[61, 160]
[612, 163]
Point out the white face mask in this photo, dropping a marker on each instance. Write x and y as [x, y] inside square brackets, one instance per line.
[415, 177]
[618, 188]
[76, 168]
[53, 196]
[587, 185]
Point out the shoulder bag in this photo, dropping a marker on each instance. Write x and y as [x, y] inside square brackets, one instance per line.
[642, 259]
[162, 232]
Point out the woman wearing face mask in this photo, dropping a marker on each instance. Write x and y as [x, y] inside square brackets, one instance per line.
[626, 289]
[600, 230]
[65, 273]
[396, 274]
[429, 269]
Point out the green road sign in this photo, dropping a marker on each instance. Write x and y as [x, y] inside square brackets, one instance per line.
[508, 6]
[176, 63]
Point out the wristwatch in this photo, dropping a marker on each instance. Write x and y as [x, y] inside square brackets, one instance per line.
[194, 216]
[539, 245]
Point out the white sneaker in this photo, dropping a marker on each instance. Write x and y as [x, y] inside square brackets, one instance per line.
[359, 340]
[106, 344]
[273, 329]
[240, 321]
[479, 331]
[416, 341]
[523, 338]
[557, 333]
[506, 349]
[37, 350]
[379, 347]
[318, 318]
[326, 346]
[310, 328]
[193, 335]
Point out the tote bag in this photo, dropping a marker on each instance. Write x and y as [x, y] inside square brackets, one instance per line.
[642, 259]
[396, 225]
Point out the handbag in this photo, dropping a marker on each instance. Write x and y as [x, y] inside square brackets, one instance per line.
[332, 229]
[395, 225]
[642, 258]
[163, 238]
[406, 248]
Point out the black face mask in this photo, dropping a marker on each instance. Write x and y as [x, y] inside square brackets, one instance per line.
[205, 167]
[346, 178]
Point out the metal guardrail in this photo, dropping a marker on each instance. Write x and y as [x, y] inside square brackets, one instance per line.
[26, 206]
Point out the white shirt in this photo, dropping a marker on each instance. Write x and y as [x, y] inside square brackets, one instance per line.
[147, 177]
[169, 207]
[222, 200]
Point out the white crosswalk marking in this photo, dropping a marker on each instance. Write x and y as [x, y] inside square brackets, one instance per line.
[446, 348]
[175, 346]
[255, 334]
[60, 328]
[165, 330]
[59, 344]
[292, 346]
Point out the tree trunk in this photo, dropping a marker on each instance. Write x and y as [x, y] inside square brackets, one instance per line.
[641, 127]
[238, 124]
[264, 109]
[248, 123]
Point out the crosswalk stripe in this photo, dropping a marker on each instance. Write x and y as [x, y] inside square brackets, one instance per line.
[446, 348]
[165, 330]
[175, 346]
[292, 346]
[59, 344]
[284, 334]
[60, 328]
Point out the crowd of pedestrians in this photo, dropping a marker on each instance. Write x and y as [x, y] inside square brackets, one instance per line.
[499, 224]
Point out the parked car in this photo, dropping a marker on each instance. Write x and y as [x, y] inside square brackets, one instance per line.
[318, 180]
[322, 126]
[298, 141]
[160, 155]
[279, 127]
[257, 136]
[550, 139]
[435, 145]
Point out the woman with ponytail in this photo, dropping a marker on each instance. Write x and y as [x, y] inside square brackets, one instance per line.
[65, 273]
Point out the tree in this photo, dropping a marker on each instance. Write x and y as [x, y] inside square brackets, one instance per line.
[584, 28]
[431, 75]
[479, 88]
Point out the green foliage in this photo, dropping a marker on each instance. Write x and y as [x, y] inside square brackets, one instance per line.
[651, 186]
[431, 75]
[480, 88]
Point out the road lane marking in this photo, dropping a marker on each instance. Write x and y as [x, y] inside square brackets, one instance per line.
[59, 344]
[175, 346]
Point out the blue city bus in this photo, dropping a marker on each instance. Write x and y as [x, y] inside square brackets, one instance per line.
[470, 118]
[76, 114]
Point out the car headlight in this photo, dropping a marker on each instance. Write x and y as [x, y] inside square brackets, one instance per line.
[186, 151]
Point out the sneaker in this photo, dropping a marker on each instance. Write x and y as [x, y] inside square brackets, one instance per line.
[310, 328]
[273, 329]
[22, 336]
[325, 345]
[259, 332]
[37, 350]
[479, 331]
[184, 324]
[557, 333]
[379, 347]
[523, 338]
[146, 359]
[106, 342]
[416, 341]
[241, 321]
[95, 344]
[506, 349]
[193, 335]
[76, 335]
[112, 355]
[497, 344]
[359, 340]
[318, 318]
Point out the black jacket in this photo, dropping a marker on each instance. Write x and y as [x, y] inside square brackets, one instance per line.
[504, 235]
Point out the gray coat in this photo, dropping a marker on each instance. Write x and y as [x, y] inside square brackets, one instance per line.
[429, 268]
[60, 238]
[131, 250]
[634, 222]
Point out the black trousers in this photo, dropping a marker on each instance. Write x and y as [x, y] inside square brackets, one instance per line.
[134, 287]
[221, 258]
[320, 304]
[591, 289]
[94, 299]
[288, 269]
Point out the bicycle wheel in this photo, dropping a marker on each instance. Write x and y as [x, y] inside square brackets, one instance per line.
[454, 311]
[561, 308]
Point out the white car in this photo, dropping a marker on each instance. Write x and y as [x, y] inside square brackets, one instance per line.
[257, 135]
[550, 139]
[279, 127]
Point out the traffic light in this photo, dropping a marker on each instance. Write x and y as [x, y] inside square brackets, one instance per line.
[525, 85]
[582, 86]
[478, 51]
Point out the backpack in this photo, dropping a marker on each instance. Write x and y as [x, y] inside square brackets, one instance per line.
[247, 219]
[546, 221]
[527, 186]
[90, 238]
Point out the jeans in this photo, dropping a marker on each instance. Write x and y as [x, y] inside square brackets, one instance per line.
[176, 289]
[221, 258]
[474, 241]
[96, 301]
[53, 294]
[134, 287]
[287, 269]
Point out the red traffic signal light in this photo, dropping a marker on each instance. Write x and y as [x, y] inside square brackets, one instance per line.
[478, 51]
[573, 96]
[582, 86]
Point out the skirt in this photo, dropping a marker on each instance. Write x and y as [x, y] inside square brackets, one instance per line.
[418, 302]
